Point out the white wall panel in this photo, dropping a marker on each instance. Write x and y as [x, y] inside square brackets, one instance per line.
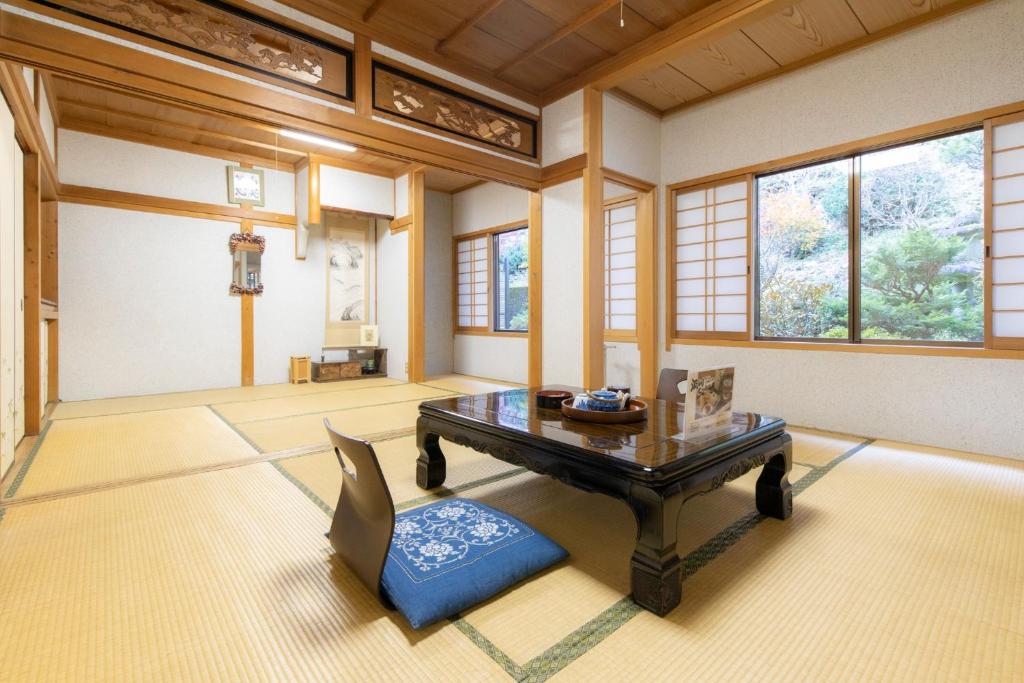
[562, 242]
[7, 292]
[438, 281]
[144, 304]
[289, 316]
[562, 123]
[488, 205]
[492, 357]
[19, 294]
[402, 195]
[631, 140]
[393, 297]
[279, 187]
[109, 164]
[345, 189]
[46, 122]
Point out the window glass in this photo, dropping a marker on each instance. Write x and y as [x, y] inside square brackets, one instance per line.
[511, 292]
[803, 252]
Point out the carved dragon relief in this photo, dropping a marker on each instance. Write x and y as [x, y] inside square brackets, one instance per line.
[438, 108]
[196, 25]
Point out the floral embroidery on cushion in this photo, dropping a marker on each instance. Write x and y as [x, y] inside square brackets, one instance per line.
[448, 535]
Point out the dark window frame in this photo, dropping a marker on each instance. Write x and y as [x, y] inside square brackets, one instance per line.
[853, 249]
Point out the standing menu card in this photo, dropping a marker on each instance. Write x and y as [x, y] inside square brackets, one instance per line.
[708, 406]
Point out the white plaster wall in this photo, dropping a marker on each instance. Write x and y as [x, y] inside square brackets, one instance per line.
[30, 80]
[402, 195]
[144, 304]
[562, 243]
[480, 207]
[393, 297]
[279, 187]
[302, 196]
[959, 403]
[562, 134]
[488, 205]
[622, 364]
[492, 357]
[109, 164]
[910, 79]
[913, 78]
[288, 318]
[438, 281]
[345, 189]
[631, 140]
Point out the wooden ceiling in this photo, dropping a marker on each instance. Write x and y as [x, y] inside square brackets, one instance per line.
[667, 53]
[90, 108]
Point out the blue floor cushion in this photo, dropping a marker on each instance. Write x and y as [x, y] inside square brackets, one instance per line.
[453, 554]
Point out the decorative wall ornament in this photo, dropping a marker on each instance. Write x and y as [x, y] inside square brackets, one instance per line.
[228, 34]
[245, 186]
[250, 291]
[239, 240]
[410, 97]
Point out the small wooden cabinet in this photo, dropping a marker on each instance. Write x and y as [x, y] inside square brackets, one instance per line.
[362, 361]
[299, 369]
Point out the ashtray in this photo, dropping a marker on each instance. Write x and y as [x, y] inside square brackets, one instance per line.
[551, 398]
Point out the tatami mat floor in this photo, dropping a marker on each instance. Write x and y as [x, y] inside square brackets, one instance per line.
[180, 537]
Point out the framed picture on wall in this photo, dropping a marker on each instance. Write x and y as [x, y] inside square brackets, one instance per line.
[369, 335]
[245, 186]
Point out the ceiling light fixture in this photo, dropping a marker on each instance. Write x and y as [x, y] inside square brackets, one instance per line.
[622, 21]
[317, 140]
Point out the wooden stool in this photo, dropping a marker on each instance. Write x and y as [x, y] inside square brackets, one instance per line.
[299, 369]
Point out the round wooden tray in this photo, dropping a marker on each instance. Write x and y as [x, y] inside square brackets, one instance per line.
[636, 412]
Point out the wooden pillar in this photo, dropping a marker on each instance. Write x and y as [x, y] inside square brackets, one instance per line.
[535, 305]
[417, 281]
[51, 292]
[363, 79]
[248, 343]
[646, 299]
[33, 294]
[314, 190]
[593, 242]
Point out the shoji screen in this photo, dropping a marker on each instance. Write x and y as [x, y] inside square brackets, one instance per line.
[620, 269]
[712, 258]
[1006, 237]
[471, 257]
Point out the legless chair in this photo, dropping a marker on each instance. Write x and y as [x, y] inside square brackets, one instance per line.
[364, 519]
[433, 561]
[668, 385]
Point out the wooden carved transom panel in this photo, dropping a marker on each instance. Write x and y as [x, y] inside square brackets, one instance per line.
[410, 97]
[228, 34]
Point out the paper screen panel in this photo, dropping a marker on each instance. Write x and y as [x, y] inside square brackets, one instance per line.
[620, 268]
[471, 256]
[712, 257]
[1007, 238]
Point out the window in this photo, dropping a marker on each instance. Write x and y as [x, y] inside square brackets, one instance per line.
[471, 283]
[492, 280]
[710, 256]
[883, 246]
[511, 292]
[620, 269]
[1006, 262]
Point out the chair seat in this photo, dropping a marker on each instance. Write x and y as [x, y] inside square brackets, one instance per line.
[448, 556]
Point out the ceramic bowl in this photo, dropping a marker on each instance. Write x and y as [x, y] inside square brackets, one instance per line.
[552, 399]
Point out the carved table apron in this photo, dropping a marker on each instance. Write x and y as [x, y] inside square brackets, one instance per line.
[654, 497]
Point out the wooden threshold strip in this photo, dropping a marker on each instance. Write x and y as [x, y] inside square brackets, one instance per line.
[77, 194]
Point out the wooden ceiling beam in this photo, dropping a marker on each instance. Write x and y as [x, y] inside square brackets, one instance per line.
[194, 130]
[467, 24]
[372, 10]
[563, 32]
[709, 24]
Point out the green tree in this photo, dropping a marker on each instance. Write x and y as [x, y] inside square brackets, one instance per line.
[911, 290]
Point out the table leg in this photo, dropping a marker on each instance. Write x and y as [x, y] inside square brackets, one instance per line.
[430, 466]
[656, 571]
[773, 495]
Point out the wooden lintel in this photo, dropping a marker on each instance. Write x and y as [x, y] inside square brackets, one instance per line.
[562, 171]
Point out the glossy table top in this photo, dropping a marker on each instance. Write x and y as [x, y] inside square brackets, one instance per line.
[652, 445]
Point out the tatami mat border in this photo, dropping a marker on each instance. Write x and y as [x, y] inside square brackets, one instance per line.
[20, 476]
[235, 429]
[595, 631]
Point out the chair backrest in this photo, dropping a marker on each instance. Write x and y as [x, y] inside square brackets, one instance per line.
[668, 385]
[364, 519]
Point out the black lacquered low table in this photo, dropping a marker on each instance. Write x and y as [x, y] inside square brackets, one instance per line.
[642, 463]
